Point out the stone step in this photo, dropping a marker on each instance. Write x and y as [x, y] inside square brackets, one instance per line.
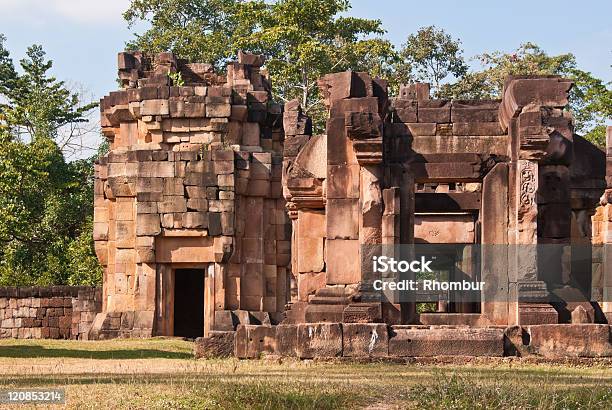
[332, 292]
[328, 300]
[324, 313]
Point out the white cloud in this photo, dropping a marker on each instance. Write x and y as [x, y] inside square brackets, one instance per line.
[56, 11]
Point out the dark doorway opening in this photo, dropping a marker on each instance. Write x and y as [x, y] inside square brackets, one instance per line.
[189, 303]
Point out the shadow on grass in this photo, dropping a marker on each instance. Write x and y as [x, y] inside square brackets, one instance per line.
[35, 351]
[196, 392]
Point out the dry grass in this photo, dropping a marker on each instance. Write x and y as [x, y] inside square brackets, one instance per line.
[160, 373]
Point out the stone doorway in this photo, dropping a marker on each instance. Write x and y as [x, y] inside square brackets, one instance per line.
[189, 302]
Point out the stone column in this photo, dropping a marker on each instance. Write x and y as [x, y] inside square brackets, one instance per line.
[541, 134]
[602, 235]
[494, 221]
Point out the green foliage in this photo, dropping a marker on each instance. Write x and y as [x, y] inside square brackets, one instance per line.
[590, 98]
[306, 39]
[301, 39]
[177, 79]
[45, 201]
[202, 30]
[430, 55]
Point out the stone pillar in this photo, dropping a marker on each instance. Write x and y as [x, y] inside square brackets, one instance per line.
[541, 135]
[494, 240]
[602, 235]
[370, 220]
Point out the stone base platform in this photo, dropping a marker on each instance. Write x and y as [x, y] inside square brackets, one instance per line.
[379, 341]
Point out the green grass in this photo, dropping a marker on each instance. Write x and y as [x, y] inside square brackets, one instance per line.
[168, 348]
[161, 374]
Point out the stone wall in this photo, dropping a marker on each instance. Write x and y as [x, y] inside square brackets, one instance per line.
[55, 312]
[380, 341]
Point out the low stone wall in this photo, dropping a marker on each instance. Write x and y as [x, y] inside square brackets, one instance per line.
[53, 312]
[375, 340]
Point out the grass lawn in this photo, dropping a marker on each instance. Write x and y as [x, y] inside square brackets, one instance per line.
[161, 373]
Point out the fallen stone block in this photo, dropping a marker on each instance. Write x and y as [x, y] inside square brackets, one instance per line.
[216, 345]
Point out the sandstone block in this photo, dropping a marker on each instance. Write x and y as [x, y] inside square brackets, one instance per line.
[253, 340]
[286, 340]
[251, 133]
[319, 340]
[148, 225]
[125, 234]
[365, 340]
[477, 128]
[146, 207]
[218, 344]
[310, 255]
[343, 261]
[342, 181]
[154, 107]
[342, 218]
[575, 340]
[421, 128]
[410, 342]
[218, 110]
[404, 110]
[309, 283]
[172, 204]
[197, 204]
[414, 91]
[239, 113]
[196, 192]
[192, 220]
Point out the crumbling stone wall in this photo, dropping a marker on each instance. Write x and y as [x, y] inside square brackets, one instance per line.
[56, 312]
[193, 179]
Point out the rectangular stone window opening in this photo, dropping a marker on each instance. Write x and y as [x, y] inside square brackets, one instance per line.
[189, 302]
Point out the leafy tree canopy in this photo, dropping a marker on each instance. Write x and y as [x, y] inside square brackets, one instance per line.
[430, 55]
[301, 39]
[45, 201]
[590, 98]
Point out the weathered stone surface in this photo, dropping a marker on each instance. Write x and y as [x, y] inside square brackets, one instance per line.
[254, 340]
[216, 345]
[365, 340]
[343, 264]
[406, 342]
[575, 340]
[580, 315]
[287, 340]
[319, 340]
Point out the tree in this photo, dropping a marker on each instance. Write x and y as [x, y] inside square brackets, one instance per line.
[302, 40]
[45, 201]
[590, 98]
[305, 39]
[201, 30]
[430, 55]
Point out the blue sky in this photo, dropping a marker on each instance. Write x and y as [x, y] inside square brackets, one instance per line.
[84, 36]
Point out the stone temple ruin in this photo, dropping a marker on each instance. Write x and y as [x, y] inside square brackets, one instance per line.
[218, 213]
